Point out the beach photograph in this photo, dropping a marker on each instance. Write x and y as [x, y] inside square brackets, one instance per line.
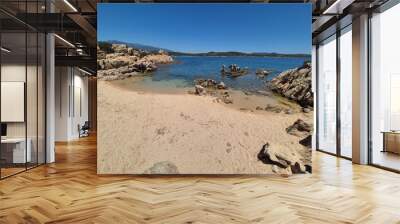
[204, 89]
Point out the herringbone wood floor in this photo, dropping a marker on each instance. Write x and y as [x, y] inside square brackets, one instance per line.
[69, 191]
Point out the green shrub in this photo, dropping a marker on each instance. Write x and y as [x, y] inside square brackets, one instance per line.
[105, 46]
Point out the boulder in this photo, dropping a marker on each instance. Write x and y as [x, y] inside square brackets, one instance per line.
[295, 84]
[298, 168]
[118, 62]
[270, 156]
[120, 48]
[145, 66]
[226, 98]
[288, 111]
[306, 110]
[262, 73]
[158, 58]
[307, 141]
[117, 73]
[274, 108]
[100, 54]
[221, 85]
[281, 158]
[299, 128]
[131, 51]
[207, 83]
[199, 90]
[201, 82]
[212, 88]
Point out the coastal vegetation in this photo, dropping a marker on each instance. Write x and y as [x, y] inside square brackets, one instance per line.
[153, 49]
[237, 53]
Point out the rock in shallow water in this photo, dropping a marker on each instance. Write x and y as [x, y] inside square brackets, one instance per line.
[212, 88]
[210, 84]
[262, 73]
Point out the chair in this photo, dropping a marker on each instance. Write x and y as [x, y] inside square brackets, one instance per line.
[84, 130]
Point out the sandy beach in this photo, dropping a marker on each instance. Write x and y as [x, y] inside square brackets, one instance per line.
[146, 132]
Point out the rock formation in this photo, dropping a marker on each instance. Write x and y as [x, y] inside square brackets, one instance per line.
[274, 108]
[283, 159]
[210, 84]
[261, 73]
[295, 84]
[307, 141]
[123, 62]
[213, 88]
[199, 90]
[299, 128]
[277, 109]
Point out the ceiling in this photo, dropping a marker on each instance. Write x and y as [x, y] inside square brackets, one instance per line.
[332, 15]
[75, 21]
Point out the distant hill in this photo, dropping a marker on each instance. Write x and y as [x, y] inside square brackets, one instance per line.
[139, 46]
[235, 53]
[211, 53]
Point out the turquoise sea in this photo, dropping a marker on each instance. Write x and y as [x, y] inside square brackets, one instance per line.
[188, 68]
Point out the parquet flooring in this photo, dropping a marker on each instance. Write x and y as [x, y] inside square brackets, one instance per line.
[69, 191]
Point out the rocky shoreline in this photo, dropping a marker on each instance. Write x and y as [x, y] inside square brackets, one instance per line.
[120, 62]
[295, 84]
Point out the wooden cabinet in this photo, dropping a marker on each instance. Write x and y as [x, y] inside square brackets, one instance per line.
[391, 142]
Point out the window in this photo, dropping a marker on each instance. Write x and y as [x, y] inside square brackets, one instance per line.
[346, 92]
[327, 95]
[22, 88]
[385, 89]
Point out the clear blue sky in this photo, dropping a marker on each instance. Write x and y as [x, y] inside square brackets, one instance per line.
[282, 28]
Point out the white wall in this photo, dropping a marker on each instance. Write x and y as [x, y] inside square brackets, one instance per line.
[12, 73]
[62, 82]
[79, 117]
[70, 83]
[33, 126]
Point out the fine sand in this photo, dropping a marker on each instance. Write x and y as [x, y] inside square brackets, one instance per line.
[145, 132]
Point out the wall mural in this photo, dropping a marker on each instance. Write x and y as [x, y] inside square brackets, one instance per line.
[204, 89]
